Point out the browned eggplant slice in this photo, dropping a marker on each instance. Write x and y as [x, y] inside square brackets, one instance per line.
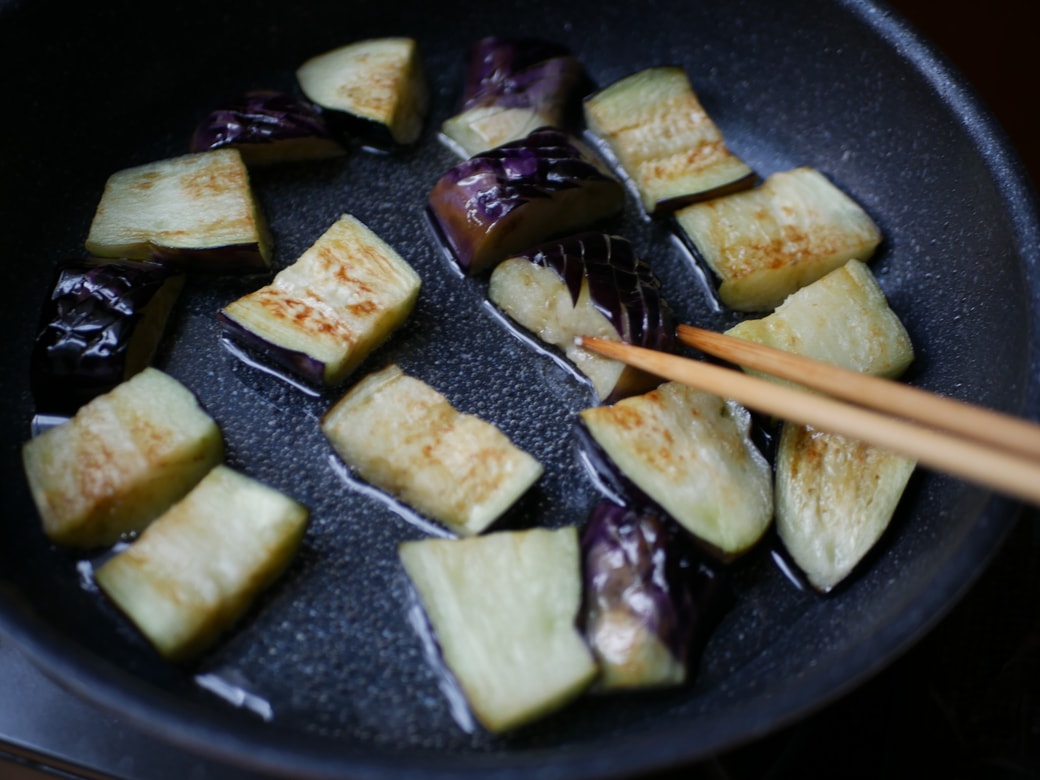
[321, 316]
[374, 89]
[403, 437]
[690, 455]
[662, 138]
[121, 461]
[196, 211]
[768, 242]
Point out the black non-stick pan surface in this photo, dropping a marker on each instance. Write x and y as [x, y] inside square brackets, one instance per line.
[332, 678]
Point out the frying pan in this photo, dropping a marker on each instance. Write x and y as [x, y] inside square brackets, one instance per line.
[331, 678]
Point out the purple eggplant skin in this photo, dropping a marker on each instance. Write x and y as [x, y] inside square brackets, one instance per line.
[519, 194]
[495, 62]
[297, 364]
[268, 126]
[525, 72]
[623, 288]
[101, 324]
[622, 285]
[650, 599]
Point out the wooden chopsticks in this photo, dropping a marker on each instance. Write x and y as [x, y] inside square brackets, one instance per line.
[975, 444]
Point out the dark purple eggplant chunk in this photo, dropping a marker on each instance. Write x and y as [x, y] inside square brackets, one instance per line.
[271, 357]
[101, 324]
[650, 600]
[522, 193]
[513, 86]
[496, 63]
[268, 126]
[617, 284]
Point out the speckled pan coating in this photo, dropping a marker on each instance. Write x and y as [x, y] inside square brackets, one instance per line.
[841, 86]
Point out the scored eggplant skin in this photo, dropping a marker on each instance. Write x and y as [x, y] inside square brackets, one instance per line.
[268, 127]
[196, 211]
[650, 599]
[768, 242]
[512, 87]
[121, 460]
[373, 89]
[196, 570]
[405, 438]
[519, 194]
[321, 316]
[101, 324]
[657, 131]
[589, 284]
[688, 454]
[503, 609]
[835, 497]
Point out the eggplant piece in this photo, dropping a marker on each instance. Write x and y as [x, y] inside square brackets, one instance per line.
[519, 194]
[121, 461]
[842, 318]
[650, 600]
[196, 211]
[403, 437]
[503, 608]
[835, 497]
[373, 89]
[590, 284]
[321, 316]
[514, 86]
[101, 324]
[268, 127]
[768, 242]
[660, 135]
[198, 569]
[687, 454]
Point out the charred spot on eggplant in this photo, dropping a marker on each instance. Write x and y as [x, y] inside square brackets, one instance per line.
[514, 86]
[267, 127]
[589, 284]
[651, 598]
[101, 324]
[520, 194]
